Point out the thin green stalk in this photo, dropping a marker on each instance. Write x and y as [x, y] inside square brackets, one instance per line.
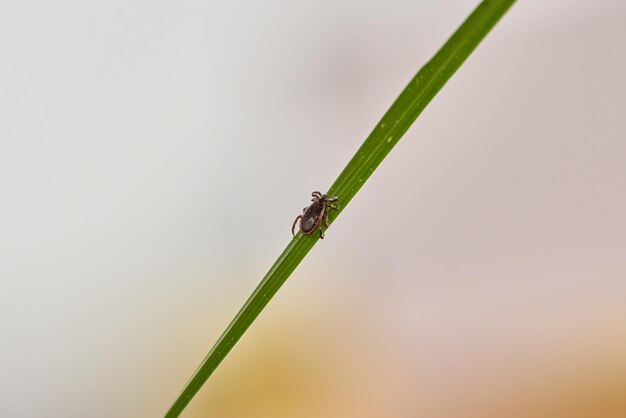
[407, 107]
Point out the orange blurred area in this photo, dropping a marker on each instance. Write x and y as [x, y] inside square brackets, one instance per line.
[310, 368]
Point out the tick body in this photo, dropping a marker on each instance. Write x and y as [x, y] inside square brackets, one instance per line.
[315, 216]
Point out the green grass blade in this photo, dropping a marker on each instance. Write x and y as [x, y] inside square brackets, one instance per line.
[407, 107]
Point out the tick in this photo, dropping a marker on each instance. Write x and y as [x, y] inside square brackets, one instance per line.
[316, 215]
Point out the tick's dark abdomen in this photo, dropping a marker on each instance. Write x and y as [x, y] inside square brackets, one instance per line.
[312, 217]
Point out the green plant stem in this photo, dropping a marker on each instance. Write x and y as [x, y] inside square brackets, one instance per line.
[407, 107]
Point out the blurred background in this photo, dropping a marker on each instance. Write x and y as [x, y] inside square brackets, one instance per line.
[153, 156]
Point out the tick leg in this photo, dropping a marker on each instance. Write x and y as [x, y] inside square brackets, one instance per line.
[293, 227]
[326, 220]
[321, 233]
[332, 199]
[334, 206]
[316, 194]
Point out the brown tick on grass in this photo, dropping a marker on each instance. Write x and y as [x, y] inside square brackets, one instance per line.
[316, 215]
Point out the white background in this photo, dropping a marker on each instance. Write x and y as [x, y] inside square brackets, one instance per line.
[154, 154]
